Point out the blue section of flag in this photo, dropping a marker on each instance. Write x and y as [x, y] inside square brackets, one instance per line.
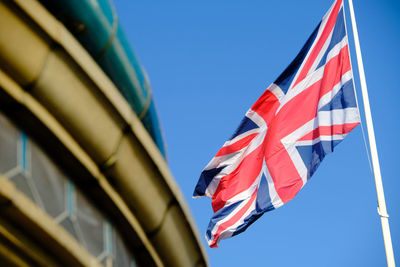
[314, 154]
[286, 78]
[204, 180]
[339, 32]
[245, 125]
[220, 215]
[263, 204]
[343, 99]
[263, 200]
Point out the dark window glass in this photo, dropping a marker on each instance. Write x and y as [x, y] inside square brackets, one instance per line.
[21, 182]
[35, 174]
[70, 226]
[49, 182]
[121, 254]
[91, 223]
[9, 136]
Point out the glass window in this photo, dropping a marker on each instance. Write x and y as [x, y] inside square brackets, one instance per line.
[122, 257]
[21, 182]
[91, 223]
[8, 145]
[35, 174]
[70, 226]
[49, 181]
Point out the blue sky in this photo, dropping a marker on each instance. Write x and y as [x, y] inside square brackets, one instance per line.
[208, 61]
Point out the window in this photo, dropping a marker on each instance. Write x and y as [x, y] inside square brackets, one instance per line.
[24, 163]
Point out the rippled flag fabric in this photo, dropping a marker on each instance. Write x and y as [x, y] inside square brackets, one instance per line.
[285, 135]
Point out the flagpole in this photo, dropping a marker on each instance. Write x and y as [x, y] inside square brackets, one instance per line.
[372, 144]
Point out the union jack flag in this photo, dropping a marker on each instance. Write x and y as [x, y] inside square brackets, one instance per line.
[285, 135]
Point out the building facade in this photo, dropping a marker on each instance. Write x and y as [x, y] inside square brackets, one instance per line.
[83, 175]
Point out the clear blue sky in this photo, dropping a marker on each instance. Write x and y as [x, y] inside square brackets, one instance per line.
[208, 61]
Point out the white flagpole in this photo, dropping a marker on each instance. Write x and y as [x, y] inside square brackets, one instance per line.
[372, 144]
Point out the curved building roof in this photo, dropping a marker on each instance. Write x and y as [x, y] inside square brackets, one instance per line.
[96, 26]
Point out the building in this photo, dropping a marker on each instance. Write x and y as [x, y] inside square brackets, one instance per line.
[83, 175]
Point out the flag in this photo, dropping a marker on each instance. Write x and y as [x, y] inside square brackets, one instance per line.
[285, 135]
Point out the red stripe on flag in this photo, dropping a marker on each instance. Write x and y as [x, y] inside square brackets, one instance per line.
[239, 180]
[334, 70]
[289, 182]
[233, 220]
[321, 41]
[242, 143]
[329, 130]
[266, 106]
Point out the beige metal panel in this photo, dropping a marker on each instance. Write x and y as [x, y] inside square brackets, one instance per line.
[154, 154]
[9, 258]
[23, 50]
[70, 96]
[173, 241]
[56, 31]
[135, 177]
[21, 247]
